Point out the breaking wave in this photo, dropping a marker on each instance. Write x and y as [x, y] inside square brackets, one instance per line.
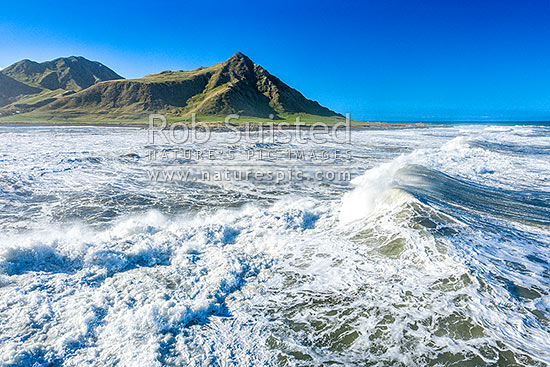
[435, 255]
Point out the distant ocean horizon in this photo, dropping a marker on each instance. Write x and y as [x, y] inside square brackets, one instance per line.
[467, 122]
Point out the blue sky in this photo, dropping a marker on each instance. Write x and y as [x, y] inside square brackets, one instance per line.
[378, 60]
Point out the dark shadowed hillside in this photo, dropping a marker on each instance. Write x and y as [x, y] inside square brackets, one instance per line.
[10, 89]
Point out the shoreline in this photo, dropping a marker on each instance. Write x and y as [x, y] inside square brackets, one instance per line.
[220, 126]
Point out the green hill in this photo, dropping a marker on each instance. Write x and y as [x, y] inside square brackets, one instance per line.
[235, 86]
[11, 89]
[74, 89]
[69, 73]
[27, 85]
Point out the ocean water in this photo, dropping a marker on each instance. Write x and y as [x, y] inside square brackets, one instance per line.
[435, 254]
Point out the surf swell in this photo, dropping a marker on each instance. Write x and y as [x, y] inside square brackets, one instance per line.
[436, 255]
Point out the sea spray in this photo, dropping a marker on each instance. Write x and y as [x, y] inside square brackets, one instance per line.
[437, 253]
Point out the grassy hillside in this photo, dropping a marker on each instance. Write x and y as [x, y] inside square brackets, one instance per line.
[236, 86]
[69, 73]
[28, 85]
[11, 89]
[213, 120]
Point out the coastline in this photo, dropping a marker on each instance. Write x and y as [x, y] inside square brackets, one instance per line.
[220, 126]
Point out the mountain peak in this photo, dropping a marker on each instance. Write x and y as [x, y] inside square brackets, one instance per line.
[27, 85]
[237, 85]
[240, 57]
[24, 66]
[72, 58]
[70, 73]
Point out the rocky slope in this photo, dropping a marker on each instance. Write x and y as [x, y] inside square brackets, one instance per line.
[235, 86]
[76, 88]
[27, 85]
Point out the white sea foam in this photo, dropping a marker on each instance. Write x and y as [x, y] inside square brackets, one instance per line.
[411, 265]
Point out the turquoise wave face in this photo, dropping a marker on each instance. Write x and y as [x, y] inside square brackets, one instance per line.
[435, 254]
